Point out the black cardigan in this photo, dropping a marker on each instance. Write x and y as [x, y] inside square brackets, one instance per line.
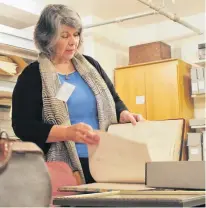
[27, 105]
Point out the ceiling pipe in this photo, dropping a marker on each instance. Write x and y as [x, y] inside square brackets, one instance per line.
[121, 19]
[173, 17]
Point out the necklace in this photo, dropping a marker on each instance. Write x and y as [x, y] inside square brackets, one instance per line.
[66, 74]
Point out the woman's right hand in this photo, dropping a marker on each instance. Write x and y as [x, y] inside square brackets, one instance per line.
[81, 133]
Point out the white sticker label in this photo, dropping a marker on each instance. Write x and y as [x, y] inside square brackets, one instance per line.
[65, 91]
[194, 151]
[194, 87]
[140, 99]
[201, 85]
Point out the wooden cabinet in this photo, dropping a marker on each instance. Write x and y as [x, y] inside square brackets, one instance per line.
[129, 84]
[157, 90]
[163, 86]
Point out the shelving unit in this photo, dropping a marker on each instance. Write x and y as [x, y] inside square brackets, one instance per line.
[21, 57]
[12, 56]
[197, 126]
[198, 90]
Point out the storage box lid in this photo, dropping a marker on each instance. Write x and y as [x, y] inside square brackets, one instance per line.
[201, 46]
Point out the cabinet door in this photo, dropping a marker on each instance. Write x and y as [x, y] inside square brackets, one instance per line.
[162, 91]
[130, 85]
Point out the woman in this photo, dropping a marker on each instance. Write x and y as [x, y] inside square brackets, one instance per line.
[63, 97]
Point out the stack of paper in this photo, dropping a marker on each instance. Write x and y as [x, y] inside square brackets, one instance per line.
[6, 89]
[21, 64]
[11, 65]
[7, 68]
[5, 101]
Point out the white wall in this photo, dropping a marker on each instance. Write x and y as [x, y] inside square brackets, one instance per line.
[109, 54]
[106, 45]
[187, 48]
[110, 43]
[165, 31]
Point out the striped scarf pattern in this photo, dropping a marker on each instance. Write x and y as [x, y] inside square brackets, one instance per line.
[56, 111]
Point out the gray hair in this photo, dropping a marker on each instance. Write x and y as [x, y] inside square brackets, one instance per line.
[47, 29]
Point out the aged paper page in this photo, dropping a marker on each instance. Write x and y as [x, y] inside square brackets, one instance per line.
[121, 155]
[117, 159]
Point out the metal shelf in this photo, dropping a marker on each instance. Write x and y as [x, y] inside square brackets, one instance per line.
[198, 127]
[199, 95]
[200, 63]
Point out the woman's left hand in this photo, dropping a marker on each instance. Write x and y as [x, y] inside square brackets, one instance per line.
[126, 117]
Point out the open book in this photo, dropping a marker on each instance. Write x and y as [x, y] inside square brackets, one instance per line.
[122, 153]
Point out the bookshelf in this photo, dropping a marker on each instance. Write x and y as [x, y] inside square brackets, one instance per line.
[13, 60]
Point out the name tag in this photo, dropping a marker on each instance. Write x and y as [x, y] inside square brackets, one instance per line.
[65, 91]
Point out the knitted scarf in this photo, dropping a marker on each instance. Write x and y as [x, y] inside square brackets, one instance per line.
[56, 111]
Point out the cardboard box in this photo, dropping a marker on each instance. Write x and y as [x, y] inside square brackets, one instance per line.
[194, 143]
[197, 122]
[194, 87]
[193, 73]
[177, 174]
[204, 146]
[200, 73]
[201, 85]
[149, 52]
[194, 83]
